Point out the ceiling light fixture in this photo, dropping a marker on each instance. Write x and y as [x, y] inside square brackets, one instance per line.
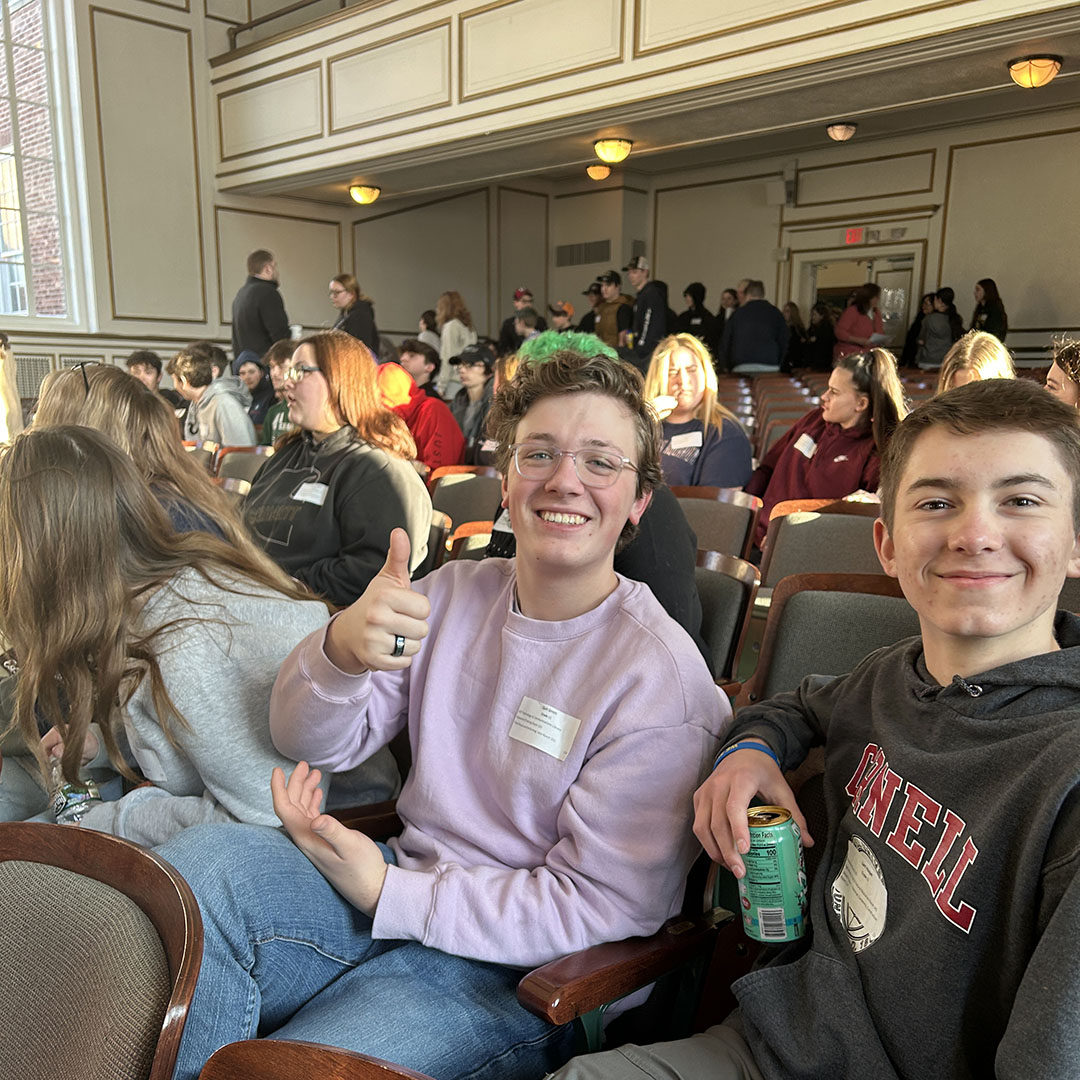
[1031, 72]
[842, 131]
[599, 172]
[612, 151]
[363, 194]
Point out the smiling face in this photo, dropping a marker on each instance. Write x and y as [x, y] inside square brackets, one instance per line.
[309, 397]
[841, 403]
[981, 541]
[1062, 387]
[562, 526]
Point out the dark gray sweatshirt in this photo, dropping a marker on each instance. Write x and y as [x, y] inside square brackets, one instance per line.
[945, 913]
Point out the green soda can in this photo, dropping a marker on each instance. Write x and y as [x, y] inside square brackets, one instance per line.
[773, 891]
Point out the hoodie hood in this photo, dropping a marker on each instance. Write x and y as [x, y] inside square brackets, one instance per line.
[1027, 687]
[398, 390]
[228, 385]
[696, 291]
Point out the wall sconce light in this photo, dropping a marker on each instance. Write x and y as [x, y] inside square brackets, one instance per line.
[1031, 72]
[612, 151]
[363, 194]
[843, 131]
[599, 172]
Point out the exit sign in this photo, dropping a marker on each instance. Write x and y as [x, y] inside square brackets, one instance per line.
[853, 236]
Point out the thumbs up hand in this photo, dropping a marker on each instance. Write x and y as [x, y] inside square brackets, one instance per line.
[382, 630]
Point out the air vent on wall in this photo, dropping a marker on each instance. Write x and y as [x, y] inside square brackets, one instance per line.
[30, 370]
[595, 251]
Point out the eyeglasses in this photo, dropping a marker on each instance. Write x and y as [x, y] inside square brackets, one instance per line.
[595, 468]
[82, 365]
[296, 372]
[338, 292]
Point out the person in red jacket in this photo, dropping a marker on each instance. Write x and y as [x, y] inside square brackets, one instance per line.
[438, 438]
[835, 449]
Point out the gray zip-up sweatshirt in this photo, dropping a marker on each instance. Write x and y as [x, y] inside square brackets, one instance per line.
[219, 668]
[945, 913]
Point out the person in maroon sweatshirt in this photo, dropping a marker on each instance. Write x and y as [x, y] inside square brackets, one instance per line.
[438, 438]
[835, 449]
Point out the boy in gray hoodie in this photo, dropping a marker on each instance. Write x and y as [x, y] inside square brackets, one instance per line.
[218, 410]
[945, 913]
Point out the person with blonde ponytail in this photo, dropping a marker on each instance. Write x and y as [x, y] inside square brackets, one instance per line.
[139, 644]
[704, 444]
[835, 450]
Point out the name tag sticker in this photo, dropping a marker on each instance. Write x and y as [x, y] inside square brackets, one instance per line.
[545, 727]
[502, 523]
[805, 445]
[311, 493]
[686, 440]
[489, 445]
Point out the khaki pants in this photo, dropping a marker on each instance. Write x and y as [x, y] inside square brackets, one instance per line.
[717, 1054]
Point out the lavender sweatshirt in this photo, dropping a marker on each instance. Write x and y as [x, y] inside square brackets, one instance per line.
[508, 854]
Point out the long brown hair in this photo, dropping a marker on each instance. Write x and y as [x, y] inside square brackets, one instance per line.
[874, 374]
[85, 544]
[349, 370]
[142, 424]
[451, 306]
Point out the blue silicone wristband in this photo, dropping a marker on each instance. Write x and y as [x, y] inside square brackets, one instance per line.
[747, 746]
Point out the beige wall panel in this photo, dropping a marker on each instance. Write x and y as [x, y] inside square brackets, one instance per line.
[233, 10]
[715, 234]
[1016, 230]
[523, 259]
[370, 85]
[307, 252]
[405, 259]
[142, 136]
[578, 219]
[284, 110]
[528, 40]
[900, 175]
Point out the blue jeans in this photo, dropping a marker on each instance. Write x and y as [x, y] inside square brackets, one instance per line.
[286, 957]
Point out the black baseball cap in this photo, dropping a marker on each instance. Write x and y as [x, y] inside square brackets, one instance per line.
[476, 354]
[592, 290]
[612, 277]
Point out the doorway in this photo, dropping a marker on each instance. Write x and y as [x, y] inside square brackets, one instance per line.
[831, 276]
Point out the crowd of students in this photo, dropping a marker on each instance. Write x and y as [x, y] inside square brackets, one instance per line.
[562, 720]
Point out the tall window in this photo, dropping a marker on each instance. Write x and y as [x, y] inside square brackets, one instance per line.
[31, 256]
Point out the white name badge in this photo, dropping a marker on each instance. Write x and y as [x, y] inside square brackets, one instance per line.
[805, 445]
[311, 493]
[686, 440]
[545, 727]
[502, 523]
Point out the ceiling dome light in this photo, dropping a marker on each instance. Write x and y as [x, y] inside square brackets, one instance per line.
[842, 131]
[364, 194]
[599, 172]
[612, 151]
[1031, 72]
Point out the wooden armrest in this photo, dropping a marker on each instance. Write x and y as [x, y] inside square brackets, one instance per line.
[731, 689]
[576, 984]
[281, 1060]
[377, 820]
